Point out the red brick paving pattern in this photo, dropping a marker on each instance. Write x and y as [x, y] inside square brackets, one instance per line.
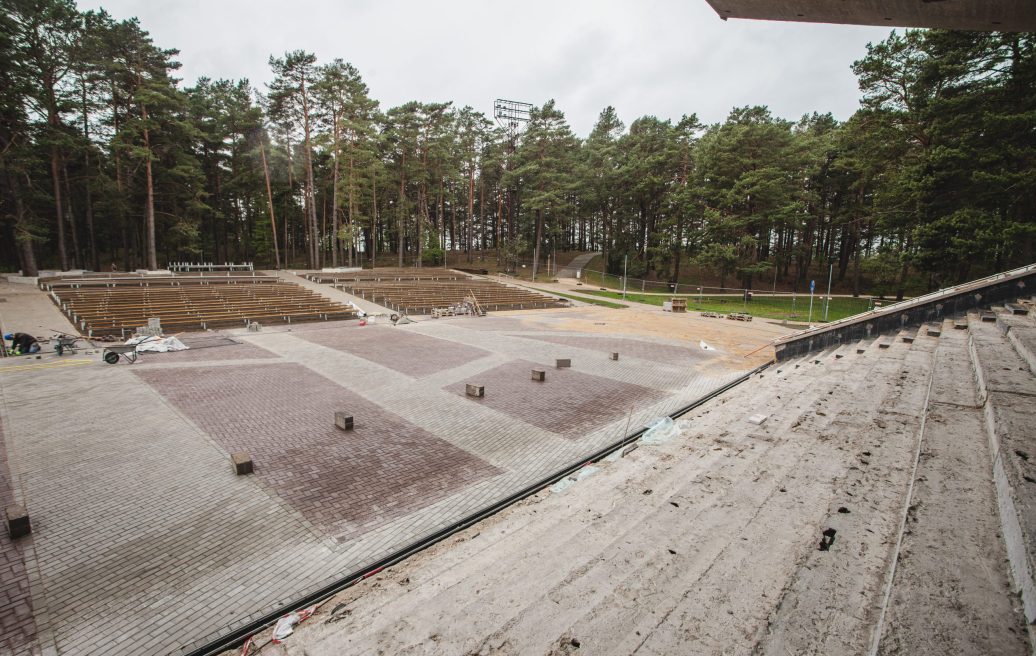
[406, 352]
[569, 403]
[634, 348]
[343, 482]
[17, 625]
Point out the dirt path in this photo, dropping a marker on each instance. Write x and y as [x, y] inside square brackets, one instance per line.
[578, 262]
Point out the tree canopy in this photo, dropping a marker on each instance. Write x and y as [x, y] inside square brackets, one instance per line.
[107, 159]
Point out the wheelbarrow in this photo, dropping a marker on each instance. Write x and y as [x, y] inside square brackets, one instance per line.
[112, 353]
[65, 344]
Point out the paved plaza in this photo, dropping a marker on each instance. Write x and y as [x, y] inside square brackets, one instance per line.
[146, 542]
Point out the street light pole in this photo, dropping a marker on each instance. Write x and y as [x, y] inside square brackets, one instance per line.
[625, 262]
[827, 305]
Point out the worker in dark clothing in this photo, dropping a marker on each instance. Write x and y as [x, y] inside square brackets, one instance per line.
[23, 343]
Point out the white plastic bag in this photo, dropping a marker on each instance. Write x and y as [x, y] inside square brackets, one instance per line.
[660, 430]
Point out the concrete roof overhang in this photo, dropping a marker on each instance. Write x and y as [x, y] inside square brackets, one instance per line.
[978, 15]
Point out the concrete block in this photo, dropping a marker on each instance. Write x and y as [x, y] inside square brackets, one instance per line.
[561, 363]
[477, 391]
[934, 332]
[883, 345]
[242, 463]
[615, 356]
[18, 525]
[539, 374]
[757, 419]
[988, 317]
[860, 351]
[343, 421]
[908, 339]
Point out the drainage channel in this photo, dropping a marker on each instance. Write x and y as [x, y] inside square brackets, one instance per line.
[238, 636]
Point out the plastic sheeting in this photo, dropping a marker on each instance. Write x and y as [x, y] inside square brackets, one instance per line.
[157, 344]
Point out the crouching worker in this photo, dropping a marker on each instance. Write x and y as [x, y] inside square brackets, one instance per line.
[22, 343]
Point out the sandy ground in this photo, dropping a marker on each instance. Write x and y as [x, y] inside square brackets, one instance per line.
[741, 342]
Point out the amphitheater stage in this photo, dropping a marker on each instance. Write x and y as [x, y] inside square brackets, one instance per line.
[144, 541]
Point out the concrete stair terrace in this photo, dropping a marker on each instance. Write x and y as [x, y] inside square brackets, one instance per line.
[886, 505]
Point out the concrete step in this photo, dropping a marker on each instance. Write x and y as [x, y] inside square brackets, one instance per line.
[1021, 332]
[1007, 388]
[829, 606]
[952, 589]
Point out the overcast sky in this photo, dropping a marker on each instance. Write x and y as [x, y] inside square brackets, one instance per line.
[660, 57]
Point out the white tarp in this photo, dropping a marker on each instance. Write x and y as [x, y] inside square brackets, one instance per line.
[157, 344]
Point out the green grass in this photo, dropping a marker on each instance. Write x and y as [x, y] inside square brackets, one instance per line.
[768, 307]
[591, 301]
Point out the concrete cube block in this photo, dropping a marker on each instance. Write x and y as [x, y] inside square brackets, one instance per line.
[615, 356]
[477, 391]
[18, 525]
[908, 340]
[539, 374]
[343, 421]
[242, 463]
[561, 363]
[883, 345]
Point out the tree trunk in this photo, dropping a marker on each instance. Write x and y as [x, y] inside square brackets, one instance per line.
[352, 239]
[402, 205]
[58, 210]
[374, 218]
[149, 206]
[269, 204]
[335, 246]
[536, 248]
[22, 235]
[314, 250]
[471, 208]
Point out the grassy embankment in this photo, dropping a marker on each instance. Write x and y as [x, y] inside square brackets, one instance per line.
[768, 307]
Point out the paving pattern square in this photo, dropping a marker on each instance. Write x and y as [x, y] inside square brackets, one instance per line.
[568, 402]
[634, 348]
[17, 625]
[396, 348]
[344, 482]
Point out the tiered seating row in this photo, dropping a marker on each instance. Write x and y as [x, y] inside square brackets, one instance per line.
[119, 309]
[421, 297]
[129, 280]
[386, 275]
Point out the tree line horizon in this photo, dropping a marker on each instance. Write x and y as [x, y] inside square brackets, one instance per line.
[106, 161]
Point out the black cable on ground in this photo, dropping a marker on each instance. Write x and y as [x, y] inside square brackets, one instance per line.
[238, 636]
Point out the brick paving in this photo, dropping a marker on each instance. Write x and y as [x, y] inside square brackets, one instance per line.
[17, 625]
[568, 402]
[146, 541]
[342, 481]
[406, 352]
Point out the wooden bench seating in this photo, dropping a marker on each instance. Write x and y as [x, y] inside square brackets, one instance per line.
[119, 306]
[421, 297]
